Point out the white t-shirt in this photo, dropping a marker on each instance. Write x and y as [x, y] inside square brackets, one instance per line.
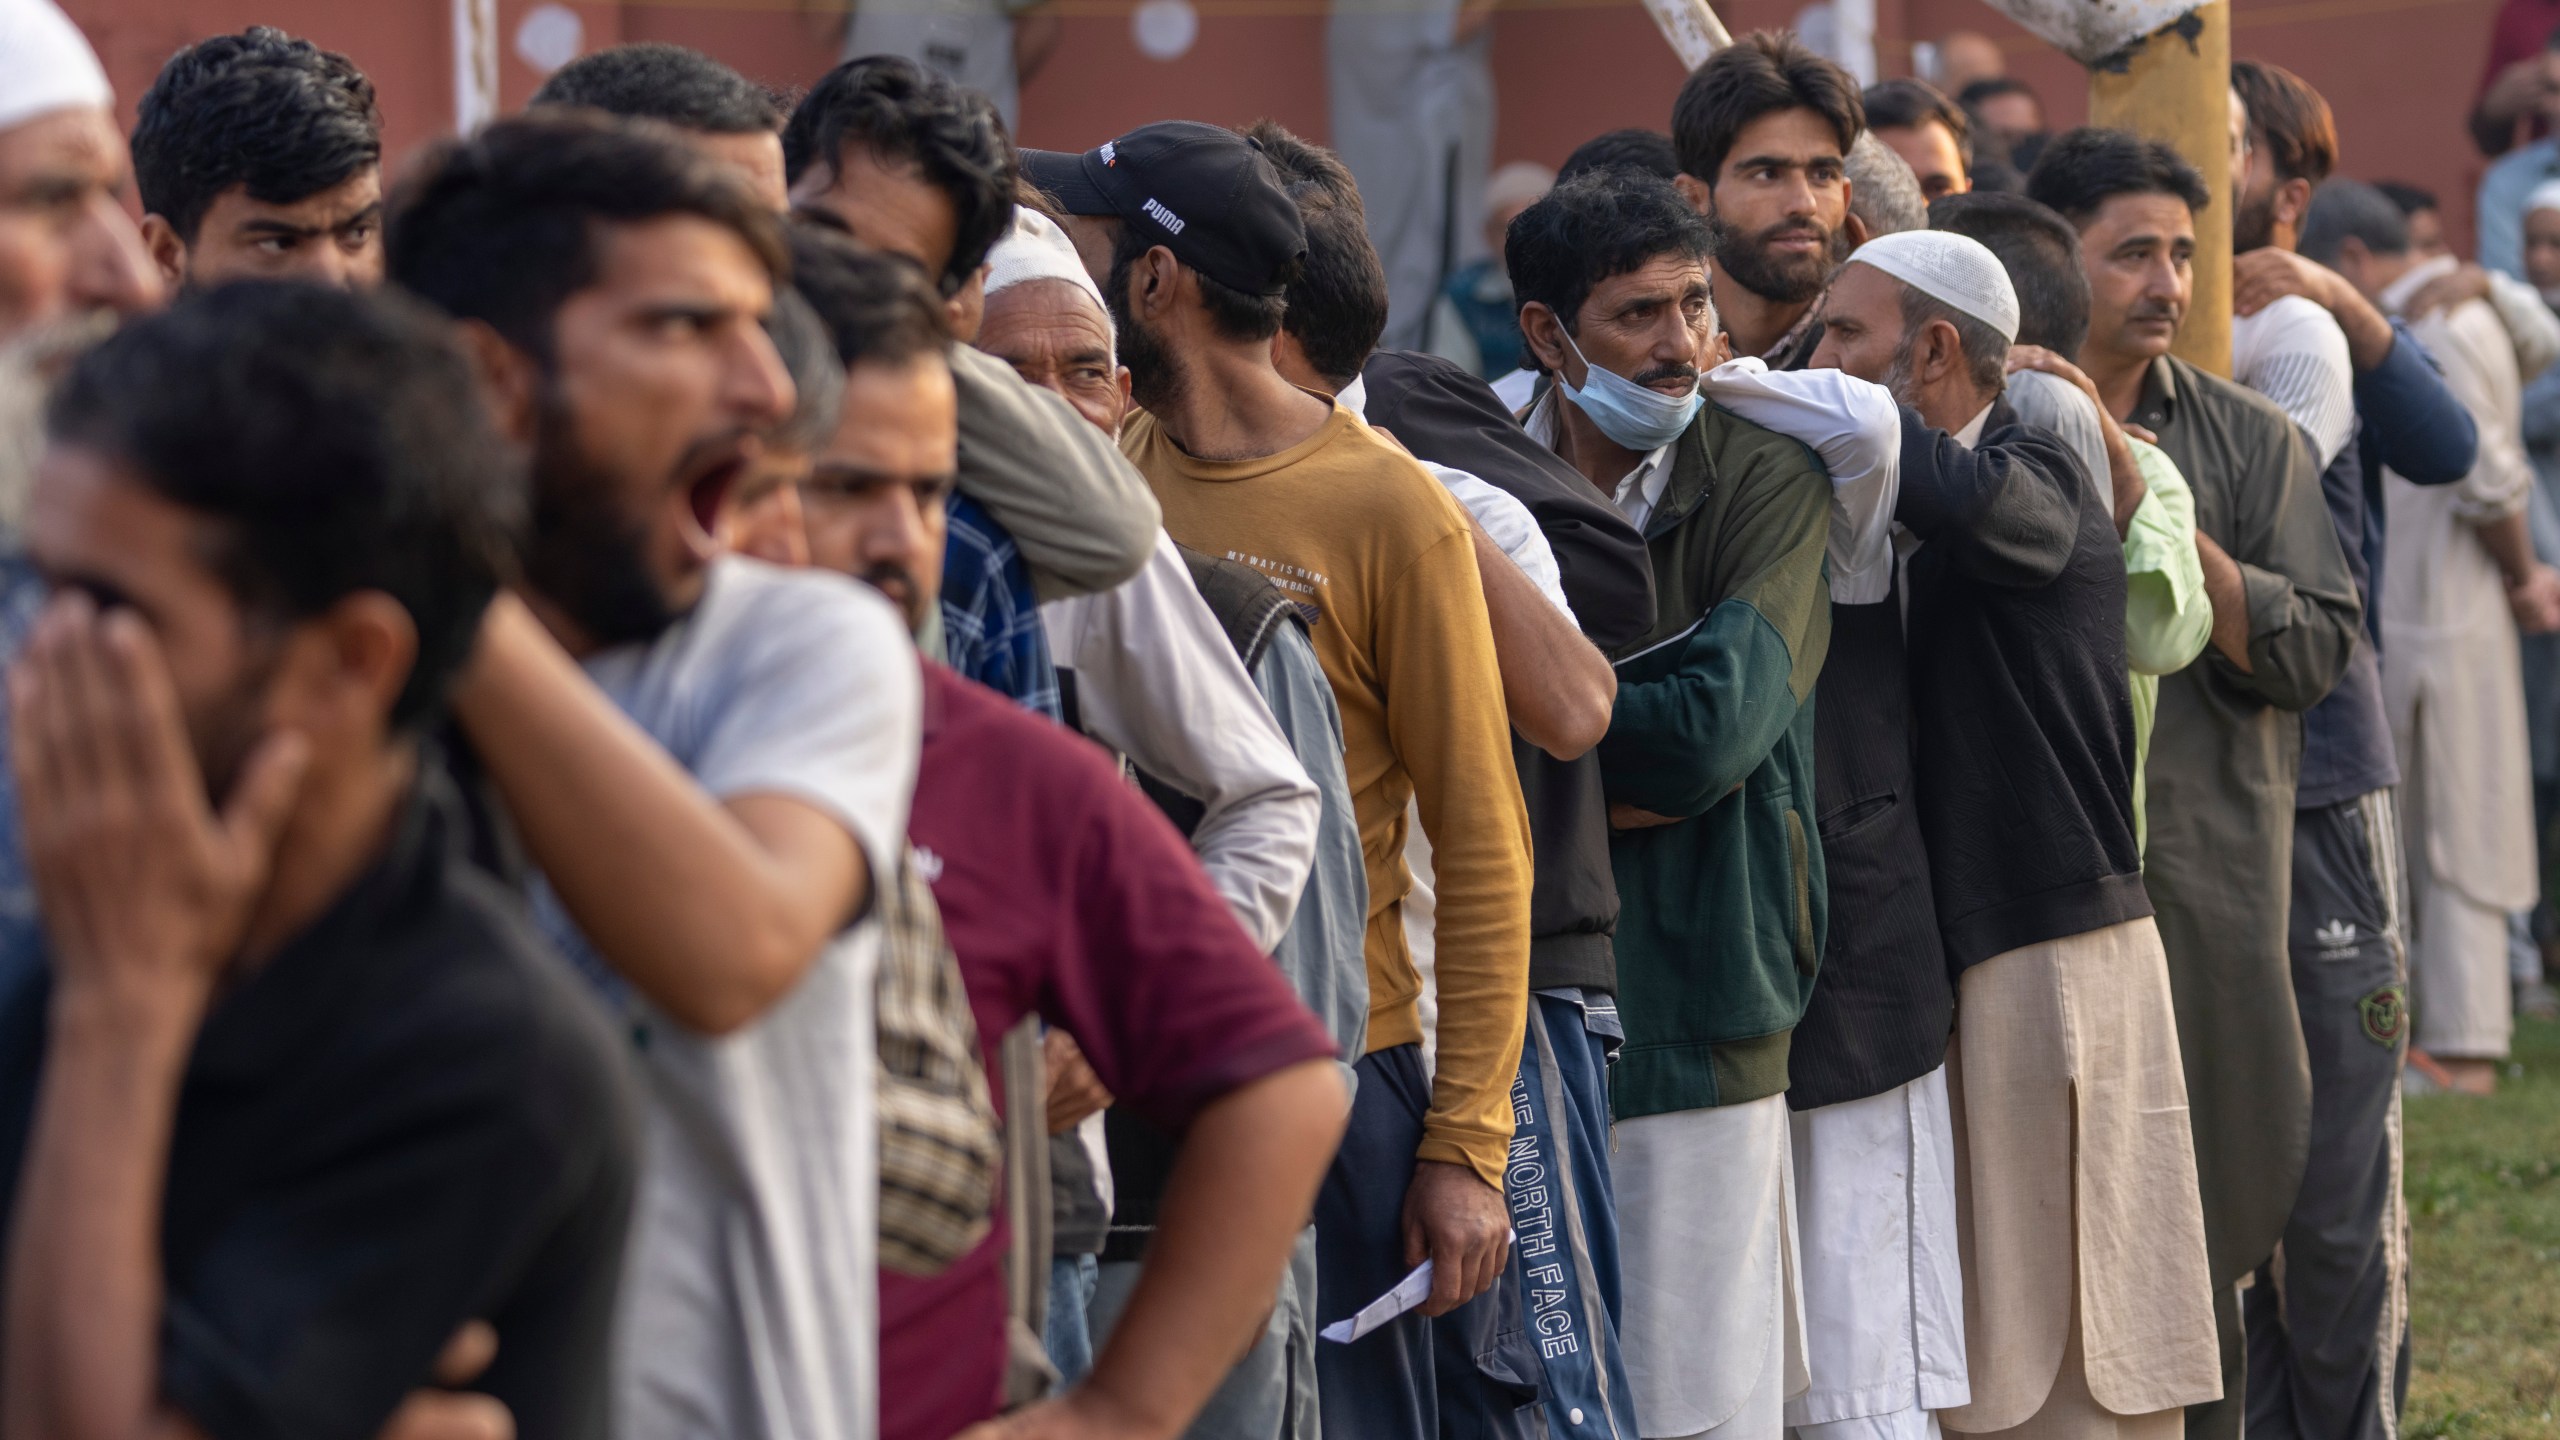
[750, 1303]
[2293, 353]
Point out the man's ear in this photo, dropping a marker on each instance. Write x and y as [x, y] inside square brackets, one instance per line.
[1943, 354]
[346, 668]
[1153, 282]
[1856, 229]
[1700, 195]
[2293, 201]
[168, 252]
[1544, 335]
[510, 382]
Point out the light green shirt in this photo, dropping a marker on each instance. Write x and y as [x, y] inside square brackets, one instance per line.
[2167, 620]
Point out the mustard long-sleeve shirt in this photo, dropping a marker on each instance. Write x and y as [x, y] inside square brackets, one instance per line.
[1380, 556]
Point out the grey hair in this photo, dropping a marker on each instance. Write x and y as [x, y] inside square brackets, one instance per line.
[2343, 209]
[1883, 193]
[809, 353]
[1986, 355]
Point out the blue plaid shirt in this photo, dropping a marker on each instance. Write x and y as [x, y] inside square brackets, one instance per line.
[22, 596]
[990, 619]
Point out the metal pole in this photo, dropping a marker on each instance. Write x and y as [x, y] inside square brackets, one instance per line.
[2174, 85]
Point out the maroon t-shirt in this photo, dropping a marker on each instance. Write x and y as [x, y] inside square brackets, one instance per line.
[1066, 894]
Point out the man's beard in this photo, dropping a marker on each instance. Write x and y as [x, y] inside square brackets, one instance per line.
[1899, 379]
[2253, 222]
[225, 735]
[587, 557]
[1791, 281]
[1157, 375]
[29, 364]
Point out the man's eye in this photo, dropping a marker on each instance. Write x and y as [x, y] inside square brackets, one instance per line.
[274, 244]
[356, 237]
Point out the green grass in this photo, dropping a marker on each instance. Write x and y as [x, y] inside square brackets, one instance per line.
[2483, 1183]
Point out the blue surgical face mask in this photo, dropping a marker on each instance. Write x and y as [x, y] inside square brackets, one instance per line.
[1636, 416]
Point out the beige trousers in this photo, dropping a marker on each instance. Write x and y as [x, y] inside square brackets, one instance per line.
[2088, 1303]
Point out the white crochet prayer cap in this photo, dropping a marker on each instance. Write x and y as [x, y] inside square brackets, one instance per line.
[1957, 270]
[2545, 196]
[1034, 248]
[45, 64]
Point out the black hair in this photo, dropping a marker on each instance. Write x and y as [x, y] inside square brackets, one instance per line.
[2344, 209]
[1992, 86]
[2083, 169]
[1337, 306]
[1638, 149]
[2040, 251]
[2301, 135]
[656, 81]
[1235, 314]
[334, 442]
[1591, 228]
[259, 109]
[1910, 104]
[1762, 72]
[877, 309]
[906, 114]
[505, 226]
[2410, 198]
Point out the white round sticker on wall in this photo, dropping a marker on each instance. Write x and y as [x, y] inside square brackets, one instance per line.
[549, 37]
[1165, 29]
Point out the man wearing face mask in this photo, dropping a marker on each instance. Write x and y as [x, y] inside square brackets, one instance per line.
[1708, 767]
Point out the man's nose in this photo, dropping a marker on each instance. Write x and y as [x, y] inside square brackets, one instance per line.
[758, 390]
[1799, 194]
[110, 269]
[895, 530]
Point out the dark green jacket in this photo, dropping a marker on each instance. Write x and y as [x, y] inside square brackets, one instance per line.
[1722, 914]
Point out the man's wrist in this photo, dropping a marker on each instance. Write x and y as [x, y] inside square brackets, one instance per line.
[149, 1026]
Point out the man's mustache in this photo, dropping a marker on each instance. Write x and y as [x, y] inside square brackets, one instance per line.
[1667, 372]
[1793, 230]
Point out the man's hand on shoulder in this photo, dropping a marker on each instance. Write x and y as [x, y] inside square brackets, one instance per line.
[2262, 277]
[1460, 1224]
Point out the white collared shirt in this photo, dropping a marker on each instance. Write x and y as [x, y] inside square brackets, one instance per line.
[1970, 437]
[1638, 491]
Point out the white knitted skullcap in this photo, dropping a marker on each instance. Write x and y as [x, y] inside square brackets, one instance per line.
[1957, 270]
[45, 64]
[1036, 249]
[2545, 196]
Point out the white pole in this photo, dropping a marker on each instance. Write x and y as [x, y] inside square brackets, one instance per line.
[475, 64]
[1691, 28]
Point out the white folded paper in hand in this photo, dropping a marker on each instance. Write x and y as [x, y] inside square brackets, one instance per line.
[1411, 1291]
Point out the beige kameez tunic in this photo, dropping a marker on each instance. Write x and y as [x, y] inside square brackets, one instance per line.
[2454, 687]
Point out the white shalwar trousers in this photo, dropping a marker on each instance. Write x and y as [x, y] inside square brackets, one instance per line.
[1883, 1281]
[1713, 1322]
